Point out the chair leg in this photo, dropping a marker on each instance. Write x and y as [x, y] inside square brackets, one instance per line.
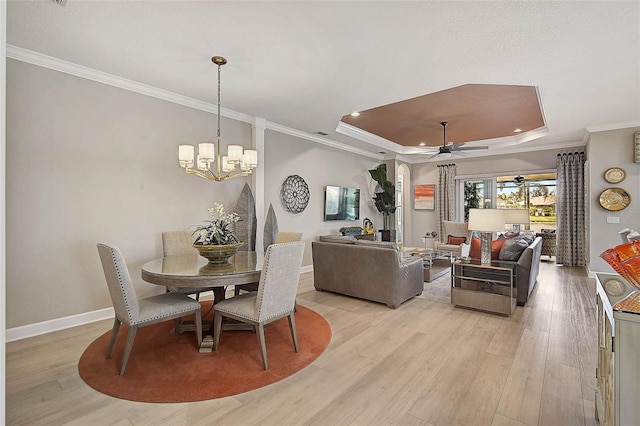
[114, 334]
[263, 347]
[292, 326]
[127, 349]
[198, 321]
[217, 329]
[236, 291]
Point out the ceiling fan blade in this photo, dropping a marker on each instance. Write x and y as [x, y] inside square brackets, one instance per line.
[433, 155]
[468, 148]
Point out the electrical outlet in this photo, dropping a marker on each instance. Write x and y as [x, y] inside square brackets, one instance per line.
[613, 219]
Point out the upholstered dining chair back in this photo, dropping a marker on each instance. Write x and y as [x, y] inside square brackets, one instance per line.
[275, 298]
[279, 280]
[136, 312]
[288, 237]
[177, 242]
[123, 296]
[282, 237]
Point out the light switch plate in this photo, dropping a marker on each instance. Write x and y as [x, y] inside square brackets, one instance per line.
[613, 219]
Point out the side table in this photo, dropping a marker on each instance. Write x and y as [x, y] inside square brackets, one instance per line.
[487, 287]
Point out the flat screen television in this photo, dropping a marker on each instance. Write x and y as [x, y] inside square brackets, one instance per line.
[341, 203]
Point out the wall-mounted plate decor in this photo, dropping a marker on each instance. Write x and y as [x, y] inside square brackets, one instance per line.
[615, 175]
[614, 199]
[294, 194]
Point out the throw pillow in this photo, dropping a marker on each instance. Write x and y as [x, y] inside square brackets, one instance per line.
[496, 246]
[512, 249]
[476, 248]
[456, 240]
[511, 234]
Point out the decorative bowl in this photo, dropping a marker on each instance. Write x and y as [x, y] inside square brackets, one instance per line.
[625, 260]
[217, 253]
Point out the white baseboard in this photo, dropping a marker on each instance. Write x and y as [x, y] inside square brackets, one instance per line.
[44, 327]
[49, 326]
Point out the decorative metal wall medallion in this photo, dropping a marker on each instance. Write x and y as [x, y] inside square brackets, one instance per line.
[294, 194]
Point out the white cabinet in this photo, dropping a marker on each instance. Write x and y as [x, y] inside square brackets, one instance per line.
[618, 371]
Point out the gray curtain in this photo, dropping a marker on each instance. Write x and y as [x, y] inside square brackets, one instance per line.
[446, 196]
[570, 209]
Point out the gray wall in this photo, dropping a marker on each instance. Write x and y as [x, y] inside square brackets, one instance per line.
[319, 166]
[86, 163]
[607, 149]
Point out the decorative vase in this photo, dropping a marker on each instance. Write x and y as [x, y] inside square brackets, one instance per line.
[217, 253]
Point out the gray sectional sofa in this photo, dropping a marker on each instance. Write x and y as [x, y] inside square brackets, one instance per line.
[366, 269]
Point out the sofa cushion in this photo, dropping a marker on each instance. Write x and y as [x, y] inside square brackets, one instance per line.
[379, 244]
[340, 239]
[456, 240]
[512, 249]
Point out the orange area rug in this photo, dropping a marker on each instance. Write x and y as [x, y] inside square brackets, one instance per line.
[164, 367]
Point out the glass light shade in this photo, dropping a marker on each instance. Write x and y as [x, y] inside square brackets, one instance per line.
[207, 151]
[243, 164]
[185, 155]
[251, 158]
[487, 220]
[226, 167]
[202, 163]
[234, 154]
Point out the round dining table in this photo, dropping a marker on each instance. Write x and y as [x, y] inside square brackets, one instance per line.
[194, 271]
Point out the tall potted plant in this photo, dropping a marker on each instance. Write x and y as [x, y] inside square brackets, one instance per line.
[384, 199]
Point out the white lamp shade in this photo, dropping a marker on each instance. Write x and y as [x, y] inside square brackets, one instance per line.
[207, 151]
[487, 220]
[517, 216]
[251, 158]
[185, 155]
[202, 164]
[226, 167]
[234, 154]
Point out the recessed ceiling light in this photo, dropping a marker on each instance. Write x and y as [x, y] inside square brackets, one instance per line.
[422, 144]
[517, 130]
[355, 114]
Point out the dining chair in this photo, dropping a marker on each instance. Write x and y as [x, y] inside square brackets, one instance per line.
[136, 313]
[275, 298]
[176, 243]
[281, 237]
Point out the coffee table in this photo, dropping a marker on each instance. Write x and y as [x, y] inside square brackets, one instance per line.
[435, 263]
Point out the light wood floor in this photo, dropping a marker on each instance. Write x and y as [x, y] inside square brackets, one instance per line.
[426, 363]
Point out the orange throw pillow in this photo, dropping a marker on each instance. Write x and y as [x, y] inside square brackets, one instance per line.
[496, 245]
[476, 248]
[456, 240]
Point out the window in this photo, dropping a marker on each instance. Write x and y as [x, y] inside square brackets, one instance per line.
[536, 192]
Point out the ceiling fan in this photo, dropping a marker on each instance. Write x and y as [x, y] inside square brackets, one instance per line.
[448, 148]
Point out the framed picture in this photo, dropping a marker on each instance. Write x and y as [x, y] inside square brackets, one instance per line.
[424, 197]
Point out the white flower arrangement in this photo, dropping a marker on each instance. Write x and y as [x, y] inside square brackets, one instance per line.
[218, 230]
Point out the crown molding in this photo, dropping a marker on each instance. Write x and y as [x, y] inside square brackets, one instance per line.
[45, 61]
[321, 140]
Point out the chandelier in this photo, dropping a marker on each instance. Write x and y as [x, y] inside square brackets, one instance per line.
[235, 164]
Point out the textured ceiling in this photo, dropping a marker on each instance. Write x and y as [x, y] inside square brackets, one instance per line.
[307, 64]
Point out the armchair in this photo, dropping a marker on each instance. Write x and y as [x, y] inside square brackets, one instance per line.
[456, 248]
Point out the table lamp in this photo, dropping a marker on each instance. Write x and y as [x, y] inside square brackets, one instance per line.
[517, 217]
[486, 221]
